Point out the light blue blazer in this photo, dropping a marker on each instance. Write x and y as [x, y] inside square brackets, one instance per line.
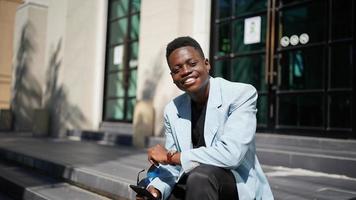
[229, 134]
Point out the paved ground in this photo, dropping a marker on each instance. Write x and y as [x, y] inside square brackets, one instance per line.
[120, 163]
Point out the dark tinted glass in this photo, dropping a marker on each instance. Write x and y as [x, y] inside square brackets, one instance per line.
[340, 106]
[114, 109]
[250, 69]
[341, 66]
[300, 110]
[224, 8]
[130, 108]
[238, 31]
[341, 19]
[248, 6]
[301, 69]
[132, 83]
[136, 4]
[222, 69]
[262, 111]
[115, 85]
[118, 8]
[118, 31]
[307, 18]
[135, 26]
[224, 41]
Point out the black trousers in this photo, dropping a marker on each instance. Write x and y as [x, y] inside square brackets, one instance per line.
[206, 182]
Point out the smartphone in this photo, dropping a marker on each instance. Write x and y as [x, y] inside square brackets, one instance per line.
[141, 191]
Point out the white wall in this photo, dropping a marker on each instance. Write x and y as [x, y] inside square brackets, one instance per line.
[161, 22]
[67, 61]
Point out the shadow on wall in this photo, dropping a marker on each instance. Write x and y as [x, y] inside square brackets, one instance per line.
[144, 117]
[27, 92]
[63, 115]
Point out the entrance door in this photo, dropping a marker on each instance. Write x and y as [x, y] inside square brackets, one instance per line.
[297, 53]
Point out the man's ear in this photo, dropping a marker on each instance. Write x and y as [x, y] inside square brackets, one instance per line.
[207, 64]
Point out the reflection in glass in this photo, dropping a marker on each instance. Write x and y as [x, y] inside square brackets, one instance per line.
[250, 69]
[238, 31]
[340, 106]
[300, 110]
[301, 69]
[135, 26]
[224, 42]
[224, 8]
[222, 69]
[118, 31]
[118, 8]
[307, 18]
[130, 108]
[136, 4]
[115, 85]
[132, 83]
[114, 109]
[134, 50]
[341, 66]
[247, 6]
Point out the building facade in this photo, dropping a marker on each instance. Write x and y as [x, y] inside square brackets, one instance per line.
[90, 64]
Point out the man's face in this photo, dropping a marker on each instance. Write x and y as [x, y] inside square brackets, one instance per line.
[189, 70]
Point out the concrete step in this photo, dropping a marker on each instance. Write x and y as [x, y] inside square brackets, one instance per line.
[21, 183]
[105, 170]
[101, 137]
[333, 156]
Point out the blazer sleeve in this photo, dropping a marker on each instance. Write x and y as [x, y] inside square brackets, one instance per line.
[229, 150]
[168, 174]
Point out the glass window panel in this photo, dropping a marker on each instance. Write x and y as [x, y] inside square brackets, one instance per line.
[262, 110]
[136, 4]
[223, 41]
[341, 18]
[301, 69]
[132, 83]
[118, 8]
[250, 69]
[114, 109]
[135, 26]
[222, 69]
[340, 106]
[311, 107]
[341, 66]
[238, 31]
[300, 110]
[118, 31]
[130, 109]
[287, 110]
[308, 18]
[134, 51]
[115, 62]
[224, 8]
[247, 6]
[114, 85]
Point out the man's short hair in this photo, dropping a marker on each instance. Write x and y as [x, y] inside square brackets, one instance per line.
[183, 42]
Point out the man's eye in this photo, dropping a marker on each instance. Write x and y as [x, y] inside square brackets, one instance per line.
[193, 64]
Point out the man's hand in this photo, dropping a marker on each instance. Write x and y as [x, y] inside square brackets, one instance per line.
[156, 193]
[157, 154]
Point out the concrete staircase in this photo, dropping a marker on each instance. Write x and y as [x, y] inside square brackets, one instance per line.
[44, 168]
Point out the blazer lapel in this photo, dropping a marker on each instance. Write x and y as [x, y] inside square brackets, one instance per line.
[211, 125]
[183, 124]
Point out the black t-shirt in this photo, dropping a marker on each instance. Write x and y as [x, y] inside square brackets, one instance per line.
[198, 121]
